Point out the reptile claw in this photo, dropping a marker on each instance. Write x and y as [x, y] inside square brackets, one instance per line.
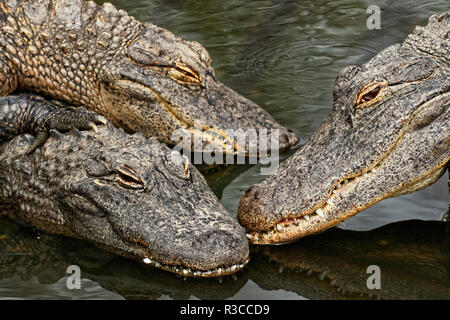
[102, 120]
[93, 126]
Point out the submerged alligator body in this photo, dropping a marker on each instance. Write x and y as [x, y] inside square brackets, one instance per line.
[127, 194]
[141, 77]
[387, 134]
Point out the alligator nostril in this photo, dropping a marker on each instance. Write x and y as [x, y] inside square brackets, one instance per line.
[248, 191]
[284, 142]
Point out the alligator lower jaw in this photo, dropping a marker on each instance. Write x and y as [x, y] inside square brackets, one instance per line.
[325, 215]
[188, 272]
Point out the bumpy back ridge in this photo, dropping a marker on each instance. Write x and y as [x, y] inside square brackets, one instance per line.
[433, 39]
[60, 47]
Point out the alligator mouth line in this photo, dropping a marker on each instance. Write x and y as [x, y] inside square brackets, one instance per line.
[188, 272]
[204, 131]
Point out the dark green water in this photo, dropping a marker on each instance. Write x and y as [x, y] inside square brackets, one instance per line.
[284, 55]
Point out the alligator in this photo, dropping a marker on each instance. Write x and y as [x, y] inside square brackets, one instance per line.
[387, 134]
[125, 193]
[141, 77]
[413, 257]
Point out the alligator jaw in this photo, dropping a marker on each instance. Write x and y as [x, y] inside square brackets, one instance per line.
[188, 272]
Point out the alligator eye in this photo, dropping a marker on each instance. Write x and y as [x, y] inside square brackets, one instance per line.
[128, 178]
[185, 74]
[369, 94]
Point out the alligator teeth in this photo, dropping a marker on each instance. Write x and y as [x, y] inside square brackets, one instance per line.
[320, 212]
[280, 227]
[147, 261]
[329, 202]
[338, 186]
[249, 236]
[306, 218]
[374, 170]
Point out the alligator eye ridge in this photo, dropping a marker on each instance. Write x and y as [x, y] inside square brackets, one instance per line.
[183, 73]
[128, 178]
[371, 95]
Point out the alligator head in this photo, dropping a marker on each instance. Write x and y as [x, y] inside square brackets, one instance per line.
[167, 84]
[140, 76]
[387, 134]
[127, 194]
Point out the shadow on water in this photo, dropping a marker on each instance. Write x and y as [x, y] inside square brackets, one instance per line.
[413, 256]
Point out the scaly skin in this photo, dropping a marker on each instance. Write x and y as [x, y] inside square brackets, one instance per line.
[127, 194]
[141, 77]
[387, 134]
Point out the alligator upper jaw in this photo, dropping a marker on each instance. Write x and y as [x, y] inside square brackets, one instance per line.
[234, 126]
[161, 249]
[186, 271]
[201, 252]
[183, 266]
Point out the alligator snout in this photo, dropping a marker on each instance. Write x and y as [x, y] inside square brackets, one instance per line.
[250, 209]
[217, 249]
